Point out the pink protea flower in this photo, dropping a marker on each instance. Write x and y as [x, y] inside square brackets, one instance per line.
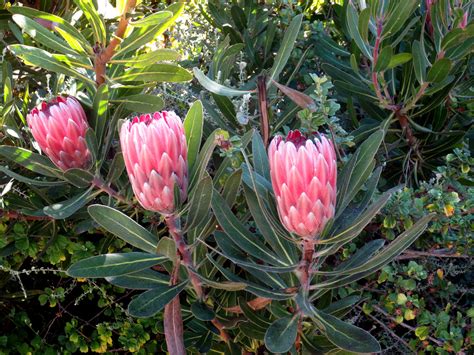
[59, 127]
[303, 173]
[155, 152]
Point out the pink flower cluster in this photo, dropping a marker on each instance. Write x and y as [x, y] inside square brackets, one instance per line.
[303, 171]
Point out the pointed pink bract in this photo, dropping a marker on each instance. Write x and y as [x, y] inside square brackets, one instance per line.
[60, 128]
[303, 173]
[155, 152]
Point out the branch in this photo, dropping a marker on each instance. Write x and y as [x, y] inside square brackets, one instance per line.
[104, 55]
[404, 325]
[413, 254]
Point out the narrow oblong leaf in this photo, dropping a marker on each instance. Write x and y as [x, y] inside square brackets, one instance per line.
[29, 181]
[108, 265]
[29, 160]
[140, 280]
[384, 59]
[439, 71]
[123, 227]
[147, 59]
[236, 231]
[153, 301]
[65, 209]
[399, 59]
[287, 45]
[217, 88]
[200, 202]
[281, 335]
[347, 336]
[43, 59]
[163, 72]
[153, 19]
[193, 125]
[141, 103]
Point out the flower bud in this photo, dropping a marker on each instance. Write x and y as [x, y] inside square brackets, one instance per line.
[155, 152]
[303, 173]
[59, 127]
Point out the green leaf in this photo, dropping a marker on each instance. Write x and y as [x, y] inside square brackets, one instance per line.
[32, 161]
[203, 159]
[352, 19]
[153, 19]
[397, 17]
[384, 59]
[363, 24]
[146, 59]
[99, 111]
[29, 181]
[401, 243]
[227, 108]
[79, 177]
[357, 170]
[419, 62]
[237, 232]
[200, 202]
[347, 336]
[260, 157]
[153, 301]
[108, 265]
[116, 168]
[39, 57]
[216, 88]
[193, 125]
[422, 332]
[355, 228]
[439, 71]
[202, 312]
[98, 26]
[140, 280]
[41, 35]
[92, 144]
[281, 335]
[67, 208]
[123, 227]
[141, 103]
[143, 35]
[75, 39]
[399, 59]
[238, 15]
[157, 72]
[287, 45]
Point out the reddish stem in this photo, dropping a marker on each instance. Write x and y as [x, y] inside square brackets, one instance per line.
[18, 215]
[173, 226]
[104, 55]
[306, 263]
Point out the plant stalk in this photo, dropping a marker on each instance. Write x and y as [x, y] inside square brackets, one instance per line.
[103, 56]
[174, 228]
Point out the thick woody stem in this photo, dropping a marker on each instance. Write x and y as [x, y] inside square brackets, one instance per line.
[104, 55]
[306, 263]
[173, 226]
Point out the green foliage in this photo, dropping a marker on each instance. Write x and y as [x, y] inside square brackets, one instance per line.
[83, 268]
[407, 60]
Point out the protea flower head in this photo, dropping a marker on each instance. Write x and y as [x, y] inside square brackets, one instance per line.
[155, 152]
[59, 127]
[303, 173]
